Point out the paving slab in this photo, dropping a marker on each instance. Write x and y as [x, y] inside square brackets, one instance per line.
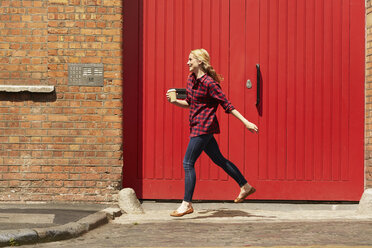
[246, 212]
[26, 218]
[16, 216]
[34, 223]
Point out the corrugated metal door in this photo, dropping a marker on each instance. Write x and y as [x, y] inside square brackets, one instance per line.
[171, 29]
[310, 144]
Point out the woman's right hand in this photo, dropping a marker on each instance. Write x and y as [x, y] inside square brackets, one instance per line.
[168, 96]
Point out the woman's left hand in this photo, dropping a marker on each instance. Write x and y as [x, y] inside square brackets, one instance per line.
[251, 127]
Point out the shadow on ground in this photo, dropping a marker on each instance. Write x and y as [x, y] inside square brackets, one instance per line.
[225, 213]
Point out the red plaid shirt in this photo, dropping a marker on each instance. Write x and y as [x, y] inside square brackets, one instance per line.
[203, 95]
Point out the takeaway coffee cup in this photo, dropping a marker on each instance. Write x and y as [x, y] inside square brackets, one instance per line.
[173, 95]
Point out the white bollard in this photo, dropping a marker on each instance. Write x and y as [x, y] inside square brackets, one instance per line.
[129, 203]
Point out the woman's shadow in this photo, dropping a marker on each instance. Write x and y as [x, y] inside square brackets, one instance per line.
[224, 213]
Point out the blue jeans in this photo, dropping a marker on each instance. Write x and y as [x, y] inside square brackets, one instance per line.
[208, 144]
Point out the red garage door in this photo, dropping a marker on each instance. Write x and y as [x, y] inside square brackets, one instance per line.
[310, 111]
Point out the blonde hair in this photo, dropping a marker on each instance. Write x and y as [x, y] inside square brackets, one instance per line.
[203, 56]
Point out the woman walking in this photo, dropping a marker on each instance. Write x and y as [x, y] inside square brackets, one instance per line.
[204, 94]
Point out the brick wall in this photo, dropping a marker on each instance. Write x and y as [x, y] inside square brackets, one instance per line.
[64, 145]
[368, 93]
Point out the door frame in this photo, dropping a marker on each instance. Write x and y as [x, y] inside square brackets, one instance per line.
[131, 88]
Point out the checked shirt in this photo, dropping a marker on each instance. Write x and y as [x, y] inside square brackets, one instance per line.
[203, 96]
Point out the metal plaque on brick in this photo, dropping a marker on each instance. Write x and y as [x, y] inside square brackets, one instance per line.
[85, 74]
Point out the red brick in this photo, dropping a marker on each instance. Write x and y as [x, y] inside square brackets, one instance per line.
[52, 9]
[39, 3]
[91, 9]
[58, 176]
[12, 176]
[26, 3]
[4, 184]
[15, 3]
[111, 2]
[5, 3]
[37, 11]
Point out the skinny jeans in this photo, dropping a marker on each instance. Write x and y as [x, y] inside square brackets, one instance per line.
[208, 144]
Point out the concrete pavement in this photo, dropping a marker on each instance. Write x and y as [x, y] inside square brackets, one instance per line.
[247, 212]
[232, 225]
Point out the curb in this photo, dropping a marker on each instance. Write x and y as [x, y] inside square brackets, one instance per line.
[55, 233]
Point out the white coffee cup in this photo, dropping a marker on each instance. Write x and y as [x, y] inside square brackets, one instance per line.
[172, 94]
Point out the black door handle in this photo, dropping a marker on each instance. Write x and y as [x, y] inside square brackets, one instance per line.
[258, 85]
